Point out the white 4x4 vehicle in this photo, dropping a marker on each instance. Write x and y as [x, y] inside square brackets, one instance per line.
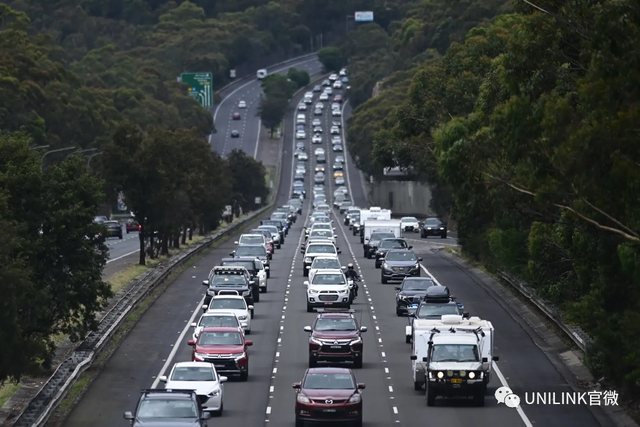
[315, 249]
[214, 319]
[329, 288]
[232, 304]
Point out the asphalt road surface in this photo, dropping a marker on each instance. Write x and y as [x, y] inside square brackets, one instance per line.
[249, 125]
[279, 355]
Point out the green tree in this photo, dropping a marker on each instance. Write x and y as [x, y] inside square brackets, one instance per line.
[332, 59]
[271, 111]
[299, 77]
[248, 177]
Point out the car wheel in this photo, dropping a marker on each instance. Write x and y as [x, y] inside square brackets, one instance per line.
[417, 385]
[357, 362]
[299, 422]
[383, 279]
[264, 290]
[269, 273]
[127, 231]
[398, 312]
[247, 331]
[431, 396]
[479, 399]
[256, 295]
[407, 339]
[378, 265]
[313, 362]
[219, 411]
[305, 273]
[422, 235]
[443, 236]
[121, 236]
[278, 246]
[309, 308]
[252, 313]
[357, 423]
[244, 376]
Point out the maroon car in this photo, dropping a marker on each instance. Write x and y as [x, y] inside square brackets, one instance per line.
[335, 337]
[226, 348]
[236, 116]
[328, 395]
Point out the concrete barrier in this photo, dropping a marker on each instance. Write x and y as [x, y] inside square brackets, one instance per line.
[402, 197]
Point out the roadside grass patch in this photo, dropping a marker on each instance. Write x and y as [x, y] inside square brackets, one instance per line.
[7, 390]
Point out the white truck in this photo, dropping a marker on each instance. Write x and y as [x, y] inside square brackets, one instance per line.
[453, 356]
[373, 213]
[261, 74]
[376, 230]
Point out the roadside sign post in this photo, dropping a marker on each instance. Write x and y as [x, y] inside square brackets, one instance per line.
[199, 87]
[232, 74]
[258, 201]
[366, 16]
[228, 213]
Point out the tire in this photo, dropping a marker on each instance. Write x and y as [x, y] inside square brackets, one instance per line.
[309, 308]
[422, 235]
[252, 313]
[378, 265]
[431, 397]
[417, 385]
[279, 246]
[357, 423]
[383, 280]
[357, 362]
[264, 290]
[313, 362]
[244, 376]
[269, 274]
[398, 312]
[305, 272]
[256, 295]
[247, 332]
[121, 236]
[218, 413]
[127, 231]
[443, 236]
[299, 422]
[478, 399]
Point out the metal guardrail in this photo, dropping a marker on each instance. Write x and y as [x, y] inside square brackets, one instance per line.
[575, 333]
[56, 388]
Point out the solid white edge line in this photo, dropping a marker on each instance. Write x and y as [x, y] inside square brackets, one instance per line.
[255, 153]
[174, 350]
[123, 256]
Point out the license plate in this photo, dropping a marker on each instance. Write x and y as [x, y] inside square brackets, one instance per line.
[328, 303]
[219, 366]
[456, 380]
[329, 410]
[414, 305]
[336, 346]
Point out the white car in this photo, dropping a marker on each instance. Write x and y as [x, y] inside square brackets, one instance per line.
[343, 189]
[333, 77]
[328, 91]
[242, 104]
[323, 234]
[317, 139]
[317, 129]
[324, 208]
[232, 304]
[324, 97]
[343, 72]
[337, 85]
[328, 288]
[308, 94]
[207, 320]
[336, 113]
[409, 223]
[321, 263]
[301, 134]
[319, 106]
[301, 119]
[315, 249]
[201, 377]
[316, 122]
[300, 169]
[335, 106]
[335, 130]
[251, 239]
[302, 107]
[319, 151]
[303, 156]
[336, 140]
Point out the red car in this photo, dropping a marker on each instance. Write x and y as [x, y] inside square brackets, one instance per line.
[328, 394]
[226, 348]
[337, 98]
[132, 226]
[236, 116]
[335, 336]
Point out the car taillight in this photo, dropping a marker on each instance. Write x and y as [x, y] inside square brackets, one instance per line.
[139, 227]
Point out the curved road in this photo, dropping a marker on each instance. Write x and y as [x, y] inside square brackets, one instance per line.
[279, 354]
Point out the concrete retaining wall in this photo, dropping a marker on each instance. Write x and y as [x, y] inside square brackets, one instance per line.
[402, 197]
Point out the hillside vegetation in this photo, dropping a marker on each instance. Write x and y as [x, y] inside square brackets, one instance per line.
[527, 123]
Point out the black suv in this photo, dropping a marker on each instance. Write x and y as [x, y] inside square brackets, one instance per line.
[168, 408]
[410, 292]
[370, 247]
[252, 251]
[229, 279]
[437, 302]
[433, 227]
[254, 266]
[398, 264]
[388, 244]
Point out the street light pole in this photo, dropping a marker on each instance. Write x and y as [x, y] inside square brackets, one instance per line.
[38, 147]
[88, 150]
[346, 24]
[91, 157]
[53, 151]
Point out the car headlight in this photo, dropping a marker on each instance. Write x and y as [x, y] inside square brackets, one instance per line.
[472, 375]
[312, 291]
[215, 393]
[344, 291]
[240, 355]
[356, 341]
[379, 253]
[386, 266]
[200, 355]
[428, 228]
[246, 293]
[308, 259]
[211, 292]
[441, 228]
[416, 267]
[355, 398]
[315, 341]
[243, 317]
[302, 398]
[440, 375]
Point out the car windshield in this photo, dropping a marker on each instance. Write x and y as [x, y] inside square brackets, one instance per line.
[400, 256]
[380, 236]
[331, 381]
[419, 284]
[321, 233]
[321, 249]
[220, 338]
[324, 219]
[221, 321]
[167, 408]
[251, 251]
[327, 324]
[252, 240]
[279, 215]
[324, 208]
[393, 244]
[325, 263]
[227, 304]
[432, 222]
[324, 226]
[192, 373]
[249, 265]
[329, 279]
[436, 311]
[271, 229]
[455, 353]
[408, 219]
[229, 280]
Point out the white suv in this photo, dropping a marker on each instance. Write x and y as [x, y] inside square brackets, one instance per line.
[322, 263]
[232, 304]
[315, 249]
[328, 288]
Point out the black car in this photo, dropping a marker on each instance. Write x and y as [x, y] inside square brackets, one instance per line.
[112, 229]
[254, 267]
[252, 251]
[398, 264]
[437, 302]
[298, 189]
[370, 247]
[411, 291]
[433, 227]
[321, 158]
[174, 408]
[233, 278]
[235, 134]
[386, 245]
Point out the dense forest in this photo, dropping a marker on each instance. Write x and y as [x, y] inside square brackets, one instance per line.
[524, 121]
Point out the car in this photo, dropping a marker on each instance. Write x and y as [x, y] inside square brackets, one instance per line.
[252, 251]
[301, 119]
[316, 139]
[301, 134]
[317, 215]
[409, 223]
[275, 234]
[178, 408]
[302, 107]
[339, 158]
[308, 101]
[336, 139]
[338, 166]
[317, 249]
[328, 91]
[335, 130]
[269, 238]
[411, 291]
[345, 80]
[317, 88]
[433, 227]
[236, 116]
[317, 129]
[323, 208]
[319, 226]
[338, 199]
[200, 377]
[339, 181]
[328, 394]
[335, 106]
[343, 72]
[336, 113]
[336, 123]
[235, 134]
[342, 188]
[327, 288]
[338, 99]
[386, 245]
[320, 168]
[326, 82]
[323, 234]
[217, 318]
[370, 247]
[319, 106]
[318, 151]
[132, 225]
[333, 77]
[308, 94]
[322, 158]
[337, 85]
[345, 206]
[317, 112]
[338, 173]
[299, 146]
[303, 156]
[113, 229]
[323, 262]
[226, 348]
[256, 268]
[324, 97]
[242, 104]
[316, 122]
[335, 336]
[437, 302]
[337, 148]
[398, 264]
[319, 178]
[236, 279]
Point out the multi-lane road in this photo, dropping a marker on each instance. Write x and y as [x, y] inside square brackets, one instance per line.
[279, 354]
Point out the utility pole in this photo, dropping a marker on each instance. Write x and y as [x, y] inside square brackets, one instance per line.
[51, 152]
[91, 157]
[88, 150]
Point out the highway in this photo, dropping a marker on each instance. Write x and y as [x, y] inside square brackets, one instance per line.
[279, 354]
[249, 126]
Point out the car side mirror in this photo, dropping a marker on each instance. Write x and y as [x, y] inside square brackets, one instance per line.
[361, 386]
[248, 343]
[128, 415]
[191, 343]
[339, 251]
[495, 358]
[465, 315]
[306, 283]
[232, 253]
[250, 307]
[485, 360]
[335, 236]
[236, 242]
[425, 359]
[420, 259]
[297, 386]
[163, 379]
[206, 415]
[410, 247]
[363, 329]
[398, 288]
[223, 379]
[413, 357]
[194, 325]
[204, 307]
[307, 329]
[205, 283]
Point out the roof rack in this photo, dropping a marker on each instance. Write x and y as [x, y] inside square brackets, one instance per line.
[228, 292]
[335, 310]
[229, 269]
[477, 332]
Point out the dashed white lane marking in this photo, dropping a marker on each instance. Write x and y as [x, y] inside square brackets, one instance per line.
[386, 370]
[383, 354]
[390, 389]
[395, 410]
[271, 389]
[123, 256]
[268, 410]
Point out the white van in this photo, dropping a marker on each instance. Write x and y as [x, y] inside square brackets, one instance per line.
[261, 74]
[301, 119]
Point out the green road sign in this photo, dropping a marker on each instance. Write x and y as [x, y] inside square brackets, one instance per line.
[199, 87]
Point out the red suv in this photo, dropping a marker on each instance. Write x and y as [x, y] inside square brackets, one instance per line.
[335, 336]
[328, 394]
[226, 348]
[236, 116]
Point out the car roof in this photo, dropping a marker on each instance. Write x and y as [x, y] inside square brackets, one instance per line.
[250, 234]
[218, 313]
[193, 364]
[220, 329]
[228, 296]
[327, 370]
[326, 257]
[401, 250]
[330, 271]
[252, 245]
[336, 315]
[416, 279]
[171, 394]
[241, 258]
